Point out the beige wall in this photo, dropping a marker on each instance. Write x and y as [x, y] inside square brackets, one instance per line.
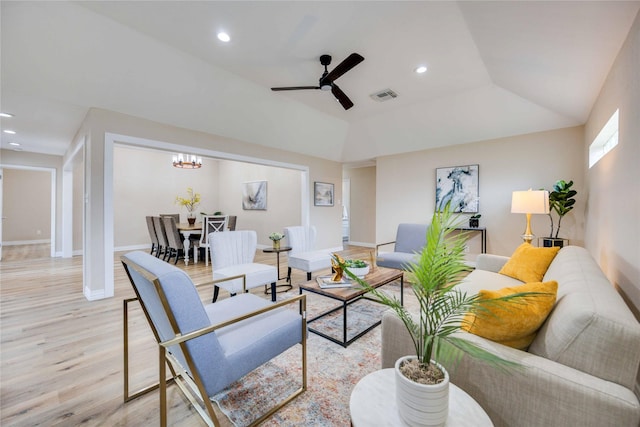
[362, 215]
[406, 184]
[146, 183]
[98, 272]
[613, 184]
[26, 206]
[283, 197]
[10, 158]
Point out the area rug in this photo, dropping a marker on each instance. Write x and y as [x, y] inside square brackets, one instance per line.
[332, 373]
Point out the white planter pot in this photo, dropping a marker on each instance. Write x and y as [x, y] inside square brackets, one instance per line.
[360, 272]
[422, 404]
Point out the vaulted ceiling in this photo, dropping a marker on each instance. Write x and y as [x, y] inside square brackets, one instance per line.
[495, 69]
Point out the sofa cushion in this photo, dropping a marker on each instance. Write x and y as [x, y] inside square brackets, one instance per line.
[512, 323]
[528, 263]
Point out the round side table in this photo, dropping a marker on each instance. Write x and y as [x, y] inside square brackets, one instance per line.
[277, 252]
[373, 402]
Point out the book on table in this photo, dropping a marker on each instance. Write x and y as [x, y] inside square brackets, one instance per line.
[326, 282]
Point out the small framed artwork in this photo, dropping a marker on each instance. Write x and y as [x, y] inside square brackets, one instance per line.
[322, 194]
[254, 196]
[459, 186]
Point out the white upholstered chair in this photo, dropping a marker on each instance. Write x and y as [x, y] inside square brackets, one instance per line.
[209, 346]
[304, 256]
[232, 254]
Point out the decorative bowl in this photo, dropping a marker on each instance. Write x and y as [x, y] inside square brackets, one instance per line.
[359, 271]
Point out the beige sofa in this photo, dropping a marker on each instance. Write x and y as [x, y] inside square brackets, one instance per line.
[581, 368]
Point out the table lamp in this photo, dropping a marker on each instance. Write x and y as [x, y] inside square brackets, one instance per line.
[530, 202]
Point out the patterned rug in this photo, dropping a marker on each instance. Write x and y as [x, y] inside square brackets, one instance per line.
[332, 373]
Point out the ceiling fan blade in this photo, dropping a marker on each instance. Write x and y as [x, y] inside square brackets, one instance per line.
[351, 61]
[295, 88]
[341, 97]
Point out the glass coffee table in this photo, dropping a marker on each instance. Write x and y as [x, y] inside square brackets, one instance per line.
[379, 276]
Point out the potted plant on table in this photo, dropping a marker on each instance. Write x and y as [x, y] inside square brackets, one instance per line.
[561, 201]
[421, 381]
[275, 238]
[190, 202]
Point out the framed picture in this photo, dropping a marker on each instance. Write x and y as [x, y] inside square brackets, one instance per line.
[458, 185]
[322, 194]
[254, 196]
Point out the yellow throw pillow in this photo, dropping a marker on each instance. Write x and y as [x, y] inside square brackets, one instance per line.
[528, 263]
[513, 323]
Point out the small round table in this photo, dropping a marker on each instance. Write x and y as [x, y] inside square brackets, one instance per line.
[373, 402]
[277, 252]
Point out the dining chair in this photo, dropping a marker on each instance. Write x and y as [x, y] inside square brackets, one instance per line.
[163, 243]
[210, 224]
[155, 246]
[303, 255]
[175, 216]
[232, 254]
[231, 222]
[207, 347]
[175, 246]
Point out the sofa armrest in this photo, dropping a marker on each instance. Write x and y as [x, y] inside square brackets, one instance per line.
[539, 393]
[490, 262]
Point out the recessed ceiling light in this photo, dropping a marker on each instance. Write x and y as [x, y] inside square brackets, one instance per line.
[15, 144]
[223, 37]
[10, 132]
[421, 69]
[6, 115]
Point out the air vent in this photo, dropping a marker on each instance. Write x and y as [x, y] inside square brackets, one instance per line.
[384, 95]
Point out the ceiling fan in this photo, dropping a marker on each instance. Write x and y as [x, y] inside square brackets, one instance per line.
[327, 80]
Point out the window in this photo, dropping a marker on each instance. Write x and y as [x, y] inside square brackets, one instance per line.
[605, 141]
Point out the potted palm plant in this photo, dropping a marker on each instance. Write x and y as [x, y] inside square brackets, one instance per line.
[421, 381]
[561, 201]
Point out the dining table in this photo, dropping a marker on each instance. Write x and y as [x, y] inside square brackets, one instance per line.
[187, 230]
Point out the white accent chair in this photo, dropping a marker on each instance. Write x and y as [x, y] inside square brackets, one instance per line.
[303, 255]
[232, 254]
[208, 346]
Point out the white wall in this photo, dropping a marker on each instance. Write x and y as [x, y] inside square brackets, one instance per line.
[613, 184]
[406, 184]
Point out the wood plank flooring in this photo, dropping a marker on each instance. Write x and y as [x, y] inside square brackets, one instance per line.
[61, 356]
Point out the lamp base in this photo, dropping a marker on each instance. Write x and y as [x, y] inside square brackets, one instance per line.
[527, 238]
[528, 235]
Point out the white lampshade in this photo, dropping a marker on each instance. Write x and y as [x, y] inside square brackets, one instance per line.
[530, 202]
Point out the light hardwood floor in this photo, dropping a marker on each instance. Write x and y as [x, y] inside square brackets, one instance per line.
[61, 356]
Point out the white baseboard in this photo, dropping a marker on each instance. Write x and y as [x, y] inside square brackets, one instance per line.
[145, 246]
[26, 242]
[93, 295]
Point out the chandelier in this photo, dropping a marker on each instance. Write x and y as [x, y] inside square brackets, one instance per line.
[186, 161]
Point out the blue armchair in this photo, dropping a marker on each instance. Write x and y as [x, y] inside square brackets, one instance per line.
[410, 239]
[209, 346]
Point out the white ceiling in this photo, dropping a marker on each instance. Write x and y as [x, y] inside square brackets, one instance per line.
[495, 69]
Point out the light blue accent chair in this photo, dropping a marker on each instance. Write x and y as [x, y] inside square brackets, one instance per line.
[410, 239]
[209, 346]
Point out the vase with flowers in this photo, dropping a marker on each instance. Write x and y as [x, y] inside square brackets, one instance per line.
[275, 238]
[190, 202]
